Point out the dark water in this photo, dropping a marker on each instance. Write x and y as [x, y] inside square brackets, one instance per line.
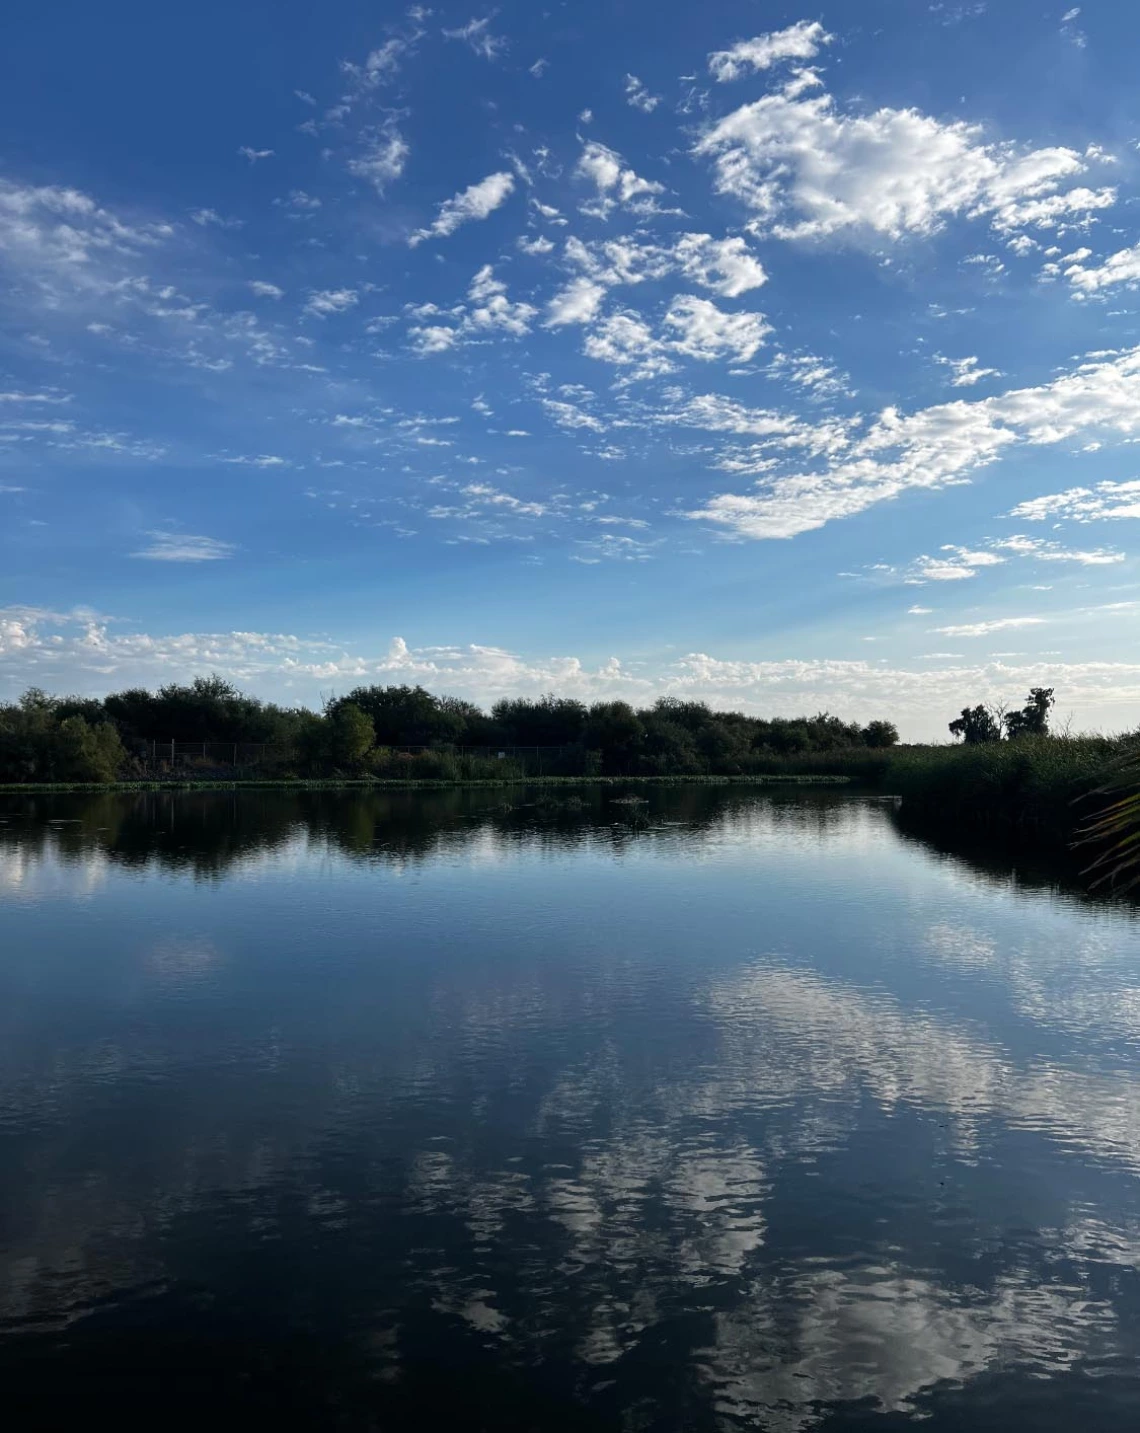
[412, 1112]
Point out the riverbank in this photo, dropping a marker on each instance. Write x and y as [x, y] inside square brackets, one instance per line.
[420, 784]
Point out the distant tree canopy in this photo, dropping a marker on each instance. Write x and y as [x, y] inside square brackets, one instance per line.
[976, 725]
[1033, 718]
[46, 738]
[981, 723]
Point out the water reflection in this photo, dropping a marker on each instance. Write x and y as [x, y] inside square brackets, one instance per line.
[379, 1111]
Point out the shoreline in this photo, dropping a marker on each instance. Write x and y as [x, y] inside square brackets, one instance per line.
[63, 788]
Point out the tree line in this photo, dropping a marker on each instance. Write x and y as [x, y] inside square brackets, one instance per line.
[367, 732]
[982, 724]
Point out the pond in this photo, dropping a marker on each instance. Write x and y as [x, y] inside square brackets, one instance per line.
[731, 1108]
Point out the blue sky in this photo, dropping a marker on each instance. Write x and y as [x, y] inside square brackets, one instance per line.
[785, 358]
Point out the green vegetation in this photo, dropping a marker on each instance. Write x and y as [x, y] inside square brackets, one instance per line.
[1007, 777]
[209, 730]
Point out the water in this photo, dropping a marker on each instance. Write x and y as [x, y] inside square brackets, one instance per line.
[405, 1111]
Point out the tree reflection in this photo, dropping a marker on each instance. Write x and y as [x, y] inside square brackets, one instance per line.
[207, 833]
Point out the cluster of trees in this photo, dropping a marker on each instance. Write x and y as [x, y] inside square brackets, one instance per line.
[981, 724]
[46, 738]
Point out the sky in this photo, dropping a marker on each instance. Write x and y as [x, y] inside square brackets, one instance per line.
[783, 358]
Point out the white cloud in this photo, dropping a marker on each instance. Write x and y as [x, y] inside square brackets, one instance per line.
[182, 547]
[253, 155]
[323, 302]
[477, 34]
[1105, 501]
[432, 338]
[381, 66]
[639, 97]
[625, 340]
[206, 218]
[800, 41]
[810, 372]
[265, 290]
[484, 495]
[257, 460]
[1045, 551]
[958, 564]
[487, 311]
[491, 309]
[703, 331]
[983, 629]
[477, 201]
[57, 236]
[966, 371]
[18, 397]
[1123, 267]
[382, 158]
[534, 247]
[299, 199]
[616, 183]
[808, 170]
[724, 265]
[931, 448]
[81, 652]
[567, 415]
[578, 302]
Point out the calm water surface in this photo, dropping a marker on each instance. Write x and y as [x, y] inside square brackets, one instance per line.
[405, 1111]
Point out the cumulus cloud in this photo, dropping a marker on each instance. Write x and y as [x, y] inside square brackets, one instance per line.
[955, 564]
[1121, 268]
[800, 41]
[625, 340]
[724, 265]
[706, 332]
[951, 564]
[809, 170]
[487, 311]
[578, 302]
[182, 547]
[323, 302]
[81, 652]
[568, 415]
[931, 448]
[1105, 501]
[253, 155]
[265, 290]
[615, 182]
[474, 202]
[966, 371]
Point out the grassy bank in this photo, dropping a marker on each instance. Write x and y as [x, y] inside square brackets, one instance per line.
[785, 778]
[1039, 788]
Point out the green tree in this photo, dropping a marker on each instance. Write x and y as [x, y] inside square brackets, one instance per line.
[976, 725]
[615, 730]
[1033, 718]
[350, 735]
[879, 734]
